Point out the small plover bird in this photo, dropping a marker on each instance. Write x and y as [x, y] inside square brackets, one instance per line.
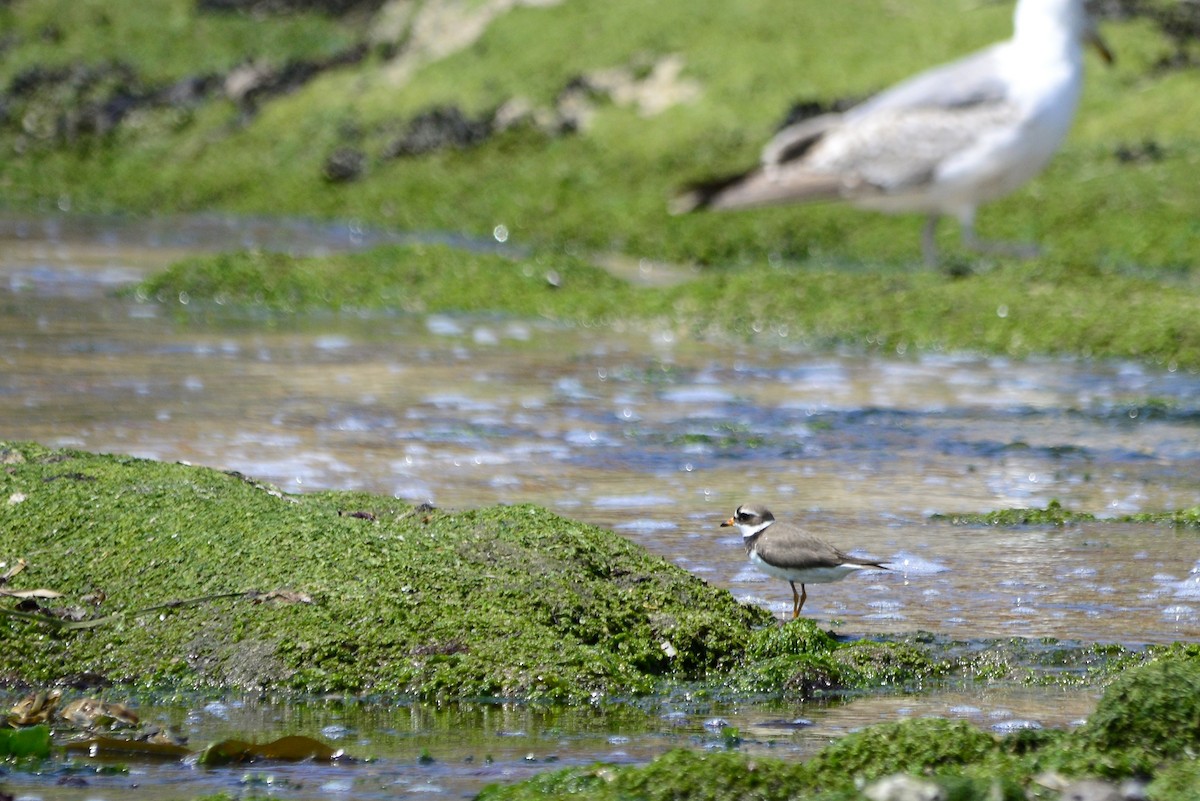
[791, 553]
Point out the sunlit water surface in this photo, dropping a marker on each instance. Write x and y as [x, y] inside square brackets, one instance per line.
[653, 435]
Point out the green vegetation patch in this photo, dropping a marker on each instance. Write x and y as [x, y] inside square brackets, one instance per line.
[31, 742]
[1056, 515]
[1053, 515]
[800, 661]
[924, 745]
[172, 574]
[418, 278]
[1018, 309]
[163, 40]
[675, 775]
[1154, 709]
[1145, 726]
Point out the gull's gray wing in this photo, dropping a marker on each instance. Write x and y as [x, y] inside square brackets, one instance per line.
[940, 110]
[972, 80]
[901, 149]
[895, 142]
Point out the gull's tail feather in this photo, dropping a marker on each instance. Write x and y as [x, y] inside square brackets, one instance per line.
[755, 188]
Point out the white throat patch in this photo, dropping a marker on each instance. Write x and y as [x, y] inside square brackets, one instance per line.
[750, 531]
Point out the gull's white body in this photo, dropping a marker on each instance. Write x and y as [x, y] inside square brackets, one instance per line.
[941, 143]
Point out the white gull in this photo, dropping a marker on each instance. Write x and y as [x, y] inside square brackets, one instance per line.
[940, 143]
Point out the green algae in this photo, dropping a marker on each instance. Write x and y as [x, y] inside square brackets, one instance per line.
[51, 33]
[1179, 518]
[799, 661]
[1055, 514]
[711, 776]
[1146, 725]
[924, 745]
[30, 742]
[418, 278]
[499, 602]
[1154, 709]
[1017, 310]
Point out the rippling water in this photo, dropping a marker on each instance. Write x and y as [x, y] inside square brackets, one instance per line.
[635, 429]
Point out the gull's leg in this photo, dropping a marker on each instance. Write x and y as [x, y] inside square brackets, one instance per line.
[971, 241]
[796, 602]
[929, 249]
[803, 598]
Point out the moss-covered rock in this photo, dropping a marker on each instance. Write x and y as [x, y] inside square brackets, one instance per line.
[375, 596]
[1153, 709]
[799, 660]
[1176, 782]
[1053, 515]
[416, 278]
[679, 774]
[927, 745]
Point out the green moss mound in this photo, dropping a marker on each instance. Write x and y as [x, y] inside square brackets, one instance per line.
[712, 776]
[1154, 709]
[1017, 310]
[377, 596]
[1053, 515]
[927, 745]
[801, 661]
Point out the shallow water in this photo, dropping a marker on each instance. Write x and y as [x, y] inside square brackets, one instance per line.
[656, 436]
[454, 751]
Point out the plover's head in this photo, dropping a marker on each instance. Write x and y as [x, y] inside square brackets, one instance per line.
[750, 519]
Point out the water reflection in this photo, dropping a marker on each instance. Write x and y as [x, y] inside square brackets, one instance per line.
[454, 750]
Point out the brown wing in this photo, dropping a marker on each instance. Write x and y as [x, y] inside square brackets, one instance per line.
[798, 550]
[806, 550]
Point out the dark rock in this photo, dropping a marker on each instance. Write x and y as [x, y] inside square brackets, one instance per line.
[77, 102]
[813, 680]
[343, 165]
[260, 8]
[439, 128]
[253, 82]
[188, 92]
[1146, 152]
[1179, 21]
